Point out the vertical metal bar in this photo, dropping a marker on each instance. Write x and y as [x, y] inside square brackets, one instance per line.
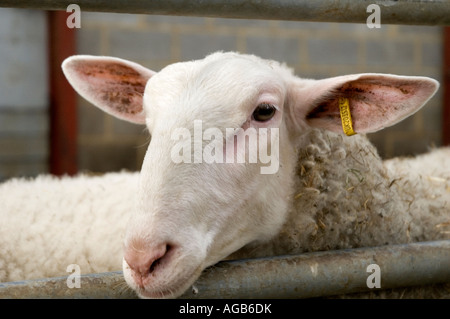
[63, 107]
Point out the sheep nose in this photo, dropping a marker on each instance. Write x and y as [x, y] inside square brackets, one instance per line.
[143, 262]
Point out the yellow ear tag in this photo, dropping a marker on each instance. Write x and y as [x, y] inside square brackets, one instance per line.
[346, 117]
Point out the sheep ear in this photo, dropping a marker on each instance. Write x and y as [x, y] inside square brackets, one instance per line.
[114, 85]
[376, 101]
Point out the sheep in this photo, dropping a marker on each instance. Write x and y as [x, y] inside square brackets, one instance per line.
[190, 207]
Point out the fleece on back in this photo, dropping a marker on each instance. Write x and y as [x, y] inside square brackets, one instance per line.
[345, 196]
[49, 223]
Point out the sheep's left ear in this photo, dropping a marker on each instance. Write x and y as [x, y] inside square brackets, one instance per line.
[114, 85]
[376, 101]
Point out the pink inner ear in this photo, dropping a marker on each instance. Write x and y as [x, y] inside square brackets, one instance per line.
[114, 85]
[375, 105]
[376, 101]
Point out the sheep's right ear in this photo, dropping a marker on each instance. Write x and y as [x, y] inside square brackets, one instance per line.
[114, 85]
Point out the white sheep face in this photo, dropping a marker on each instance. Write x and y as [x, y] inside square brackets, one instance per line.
[198, 203]
[195, 214]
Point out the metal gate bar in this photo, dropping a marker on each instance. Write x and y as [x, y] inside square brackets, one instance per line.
[299, 276]
[417, 12]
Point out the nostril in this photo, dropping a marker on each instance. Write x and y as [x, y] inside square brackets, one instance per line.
[144, 260]
[153, 265]
[157, 261]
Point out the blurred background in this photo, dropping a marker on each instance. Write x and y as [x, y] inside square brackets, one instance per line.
[314, 50]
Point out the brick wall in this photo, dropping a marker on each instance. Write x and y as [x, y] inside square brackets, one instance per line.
[315, 50]
[23, 93]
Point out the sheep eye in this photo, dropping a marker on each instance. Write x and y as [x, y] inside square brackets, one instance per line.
[264, 112]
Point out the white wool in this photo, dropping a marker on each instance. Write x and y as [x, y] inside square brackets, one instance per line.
[345, 196]
[49, 223]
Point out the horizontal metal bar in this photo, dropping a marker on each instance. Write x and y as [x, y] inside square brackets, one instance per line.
[107, 285]
[300, 276]
[420, 12]
[326, 273]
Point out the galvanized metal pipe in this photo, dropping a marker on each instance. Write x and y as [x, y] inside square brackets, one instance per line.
[327, 273]
[300, 276]
[420, 12]
[93, 286]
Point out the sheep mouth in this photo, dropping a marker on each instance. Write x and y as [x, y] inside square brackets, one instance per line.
[170, 290]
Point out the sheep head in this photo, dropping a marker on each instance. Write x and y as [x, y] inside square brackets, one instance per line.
[218, 173]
